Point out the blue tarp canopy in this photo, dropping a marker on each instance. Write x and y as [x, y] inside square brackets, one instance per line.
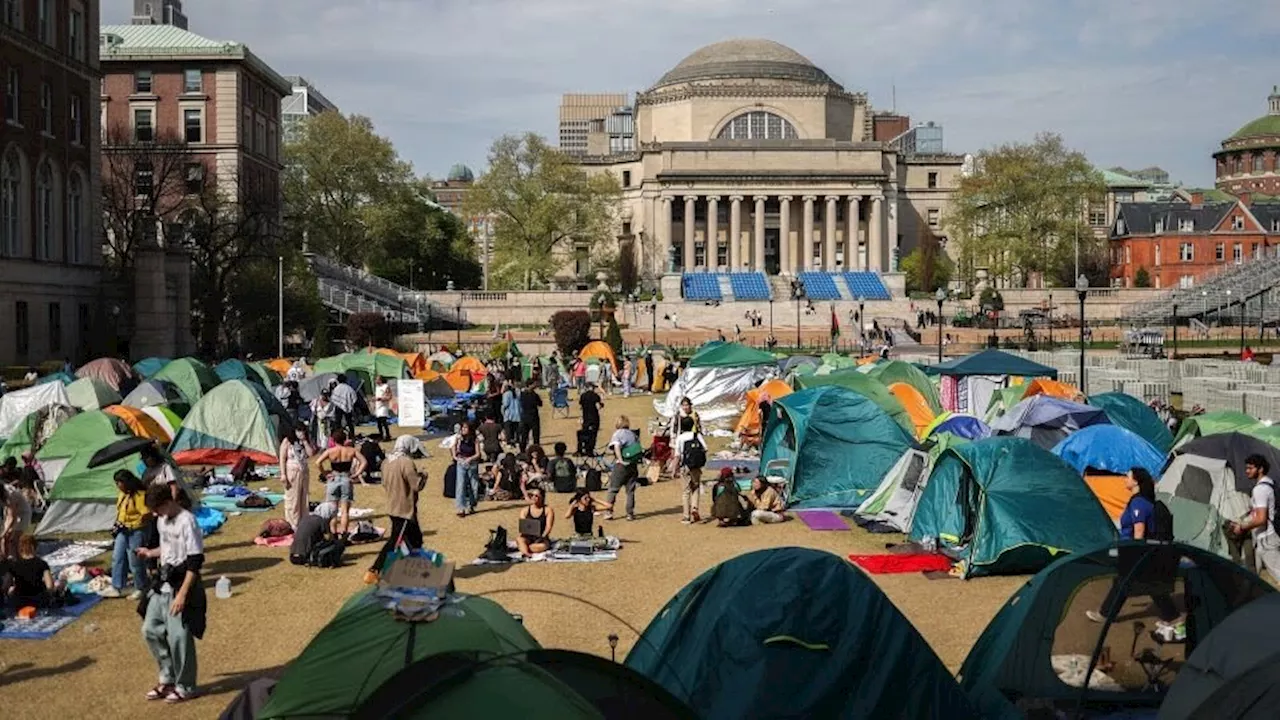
[1109, 448]
[993, 362]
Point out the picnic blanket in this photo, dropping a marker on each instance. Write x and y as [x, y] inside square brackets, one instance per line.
[47, 623]
[892, 564]
[559, 553]
[64, 553]
[228, 504]
[275, 542]
[822, 520]
[209, 519]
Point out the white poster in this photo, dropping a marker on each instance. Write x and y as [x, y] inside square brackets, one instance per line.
[409, 398]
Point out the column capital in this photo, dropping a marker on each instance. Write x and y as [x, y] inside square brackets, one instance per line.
[690, 198]
[833, 198]
[810, 198]
[713, 198]
[760, 198]
[786, 198]
[667, 199]
[877, 198]
[735, 198]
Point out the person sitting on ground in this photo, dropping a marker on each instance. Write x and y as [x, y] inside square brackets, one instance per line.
[32, 582]
[505, 479]
[536, 523]
[562, 471]
[727, 504]
[344, 464]
[538, 459]
[373, 457]
[766, 506]
[582, 511]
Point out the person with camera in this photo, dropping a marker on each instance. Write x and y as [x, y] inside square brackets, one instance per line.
[174, 609]
[127, 533]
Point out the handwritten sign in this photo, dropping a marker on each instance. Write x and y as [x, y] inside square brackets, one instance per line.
[409, 397]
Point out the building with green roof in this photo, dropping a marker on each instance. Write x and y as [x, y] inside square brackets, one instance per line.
[1247, 161]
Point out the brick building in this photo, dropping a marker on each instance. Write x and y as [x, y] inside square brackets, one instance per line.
[50, 263]
[1247, 161]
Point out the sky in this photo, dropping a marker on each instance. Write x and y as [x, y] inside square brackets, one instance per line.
[1132, 83]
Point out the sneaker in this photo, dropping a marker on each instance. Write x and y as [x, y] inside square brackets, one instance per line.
[631, 517]
[135, 595]
[371, 577]
[109, 592]
[1095, 616]
[685, 521]
[608, 516]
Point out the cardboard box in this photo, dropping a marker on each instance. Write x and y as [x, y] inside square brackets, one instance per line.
[417, 573]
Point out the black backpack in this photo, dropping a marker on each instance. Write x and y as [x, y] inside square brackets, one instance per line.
[1162, 519]
[328, 553]
[564, 477]
[496, 549]
[448, 485]
[593, 480]
[695, 454]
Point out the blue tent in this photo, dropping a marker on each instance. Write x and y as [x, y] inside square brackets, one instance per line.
[1131, 413]
[1046, 420]
[147, 367]
[1109, 448]
[963, 426]
[793, 633]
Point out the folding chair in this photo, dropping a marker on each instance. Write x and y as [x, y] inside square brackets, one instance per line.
[560, 402]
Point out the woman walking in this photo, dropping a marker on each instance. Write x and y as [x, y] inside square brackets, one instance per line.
[689, 458]
[1140, 521]
[295, 452]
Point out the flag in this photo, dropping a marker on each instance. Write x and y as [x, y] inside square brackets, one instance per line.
[835, 322]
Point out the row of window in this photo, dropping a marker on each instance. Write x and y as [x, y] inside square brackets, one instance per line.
[144, 125]
[1187, 253]
[1235, 164]
[53, 326]
[46, 24]
[50, 202]
[144, 82]
[13, 106]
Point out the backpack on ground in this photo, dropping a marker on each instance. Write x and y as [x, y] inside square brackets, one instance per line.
[564, 476]
[328, 553]
[496, 549]
[695, 453]
[593, 481]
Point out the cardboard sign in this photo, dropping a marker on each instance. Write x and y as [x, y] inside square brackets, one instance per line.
[417, 573]
[412, 404]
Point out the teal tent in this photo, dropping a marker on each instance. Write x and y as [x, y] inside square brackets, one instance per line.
[59, 377]
[993, 362]
[794, 633]
[864, 385]
[147, 367]
[233, 369]
[1013, 660]
[836, 446]
[724, 355]
[1007, 507]
[1135, 416]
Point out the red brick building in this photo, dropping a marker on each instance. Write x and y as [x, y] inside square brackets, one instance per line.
[1248, 161]
[1179, 243]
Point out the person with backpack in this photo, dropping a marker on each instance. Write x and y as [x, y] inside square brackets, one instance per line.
[1261, 520]
[530, 418]
[564, 474]
[403, 482]
[511, 414]
[591, 405]
[1141, 520]
[690, 457]
[624, 474]
[728, 506]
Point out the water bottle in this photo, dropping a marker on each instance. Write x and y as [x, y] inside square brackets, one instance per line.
[222, 590]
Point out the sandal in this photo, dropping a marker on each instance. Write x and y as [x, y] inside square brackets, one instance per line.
[159, 692]
[176, 696]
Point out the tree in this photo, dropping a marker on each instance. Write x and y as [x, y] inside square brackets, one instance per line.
[572, 331]
[144, 184]
[1142, 278]
[418, 243]
[613, 336]
[253, 298]
[1022, 210]
[320, 340]
[367, 328]
[928, 267]
[543, 206]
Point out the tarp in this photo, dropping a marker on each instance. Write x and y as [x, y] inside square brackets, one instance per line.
[1213, 423]
[116, 373]
[864, 385]
[34, 430]
[1111, 449]
[916, 406]
[794, 633]
[897, 371]
[234, 420]
[993, 362]
[141, 424]
[959, 425]
[92, 393]
[1136, 416]
[839, 445]
[1052, 388]
[600, 351]
[1008, 507]
[750, 424]
[1046, 420]
[191, 377]
[731, 355]
[82, 499]
[147, 367]
[1013, 658]
[716, 392]
[17, 405]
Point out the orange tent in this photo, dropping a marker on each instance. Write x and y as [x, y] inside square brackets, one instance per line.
[470, 364]
[1111, 492]
[459, 379]
[600, 350]
[280, 365]
[750, 425]
[427, 375]
[917, 407]
[867, 359]
[1052, 388]
[140, 423]
[416, 361]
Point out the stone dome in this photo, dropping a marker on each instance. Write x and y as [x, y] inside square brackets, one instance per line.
[745, 59]
[461, 173]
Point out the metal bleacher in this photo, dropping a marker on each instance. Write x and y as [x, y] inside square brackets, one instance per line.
[749, 285]
[819, 285]
[347, 290]
[866, 285]
[1219, 296]
[701, 286]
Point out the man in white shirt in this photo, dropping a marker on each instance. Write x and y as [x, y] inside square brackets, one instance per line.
[1262, 515]
[382, 408]
[173, 611]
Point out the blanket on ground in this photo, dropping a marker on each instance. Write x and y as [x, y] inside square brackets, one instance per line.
[605, 552]
[63, 553]
[899, 564]
[47, 623]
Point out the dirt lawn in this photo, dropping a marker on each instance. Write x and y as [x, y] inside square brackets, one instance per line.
[277, 607]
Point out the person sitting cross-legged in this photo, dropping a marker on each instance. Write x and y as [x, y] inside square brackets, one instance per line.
[536, 523]
[766, 506]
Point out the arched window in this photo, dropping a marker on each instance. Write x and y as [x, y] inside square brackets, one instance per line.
[10, 192]
[75, 219]
[45, 215]
[758, 125]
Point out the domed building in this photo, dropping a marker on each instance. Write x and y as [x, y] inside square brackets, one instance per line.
[750, 157]
[1247, 161]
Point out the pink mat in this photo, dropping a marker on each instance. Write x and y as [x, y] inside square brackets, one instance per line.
[284, 541]
[822, 520]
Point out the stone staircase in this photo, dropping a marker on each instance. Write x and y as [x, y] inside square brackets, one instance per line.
[726, 288]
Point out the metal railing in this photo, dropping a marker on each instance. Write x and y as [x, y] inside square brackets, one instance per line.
[379, 295]
[1220, 295]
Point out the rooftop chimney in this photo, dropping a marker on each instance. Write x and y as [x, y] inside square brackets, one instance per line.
[1197, 198]
[1245, 198]
[1273, 102]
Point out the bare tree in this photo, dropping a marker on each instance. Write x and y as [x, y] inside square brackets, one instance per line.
[144, 183]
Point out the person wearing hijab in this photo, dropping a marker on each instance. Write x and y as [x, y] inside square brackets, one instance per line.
[403, 482]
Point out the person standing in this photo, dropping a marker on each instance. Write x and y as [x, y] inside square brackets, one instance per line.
[466, 458]
[686, 430]
[626, 376]
[1261, 519]
[624, 473]
[530, 418]
[648, 372]
[15, 511]
[490, 433]
[1139, 521]
[126, 534]
[382, 408]
[323, 417]
[511, 413]
[294, 455]
[174, 610]
[345, 463]
[404, 483]
[591, 405]
[493, 399]
[344, 399]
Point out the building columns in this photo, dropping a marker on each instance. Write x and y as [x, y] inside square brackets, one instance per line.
[757, 262]
[735, 231]
[664, 239]
[852, 256]
[713, 232]
[690, 221]
[806, 238]
[875, 236]
[893, 257]
[829, 253]
[784, 236]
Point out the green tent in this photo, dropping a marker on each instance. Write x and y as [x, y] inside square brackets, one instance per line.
[60, 377]
[365, 366]
[836, 446]
[1135, 416]
[191, 377]
[1013, 660]
[897, 371]
[39, 423]
[1269, 434]
[232, 369]
[864, 385]
[91, 393]
[1002, 399]
[794, 633]
[1213, 423]
[993, 362]
[234, 420]
[147, 367]
[835, 361]
[82, 499]
[728, 355]
[1008, 507]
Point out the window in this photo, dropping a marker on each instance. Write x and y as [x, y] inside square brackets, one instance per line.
[1097, 217]
[1186, 225]
[45, 216]
[1157, 250]
[75, 35]
[934, 215]
[143, 179]
[12, 13]
[21, 328]
[1257, 251]
[260, 136]
[12, 96]
[55, 327]
[10, 193]
[142, 128]
[1257, 163]
[192, 125]
[932, 181]
[192, 81]
[75, 219]
[758, 125]
[85, 322]
[46, 108]
[1186, 252]
[1237, 223]
[44, 21]
[1186, 281]
[626, 228]
[1237, 253]
[195, 178]
[77, 121]
[1220, 252]
[142, 82]
[1275, 224]
[1128, 255]
[626, 178]
[1124, 197]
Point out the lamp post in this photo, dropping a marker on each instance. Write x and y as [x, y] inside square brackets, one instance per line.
[797, 292]
[862, 323]
[1243, 301]
[771, 317]
[653, 314]
[1050, 322]
[1082, 292]
[940, 296]
[1174, 296]
[280, 305]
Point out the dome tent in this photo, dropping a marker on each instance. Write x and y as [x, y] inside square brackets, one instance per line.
[191, 377]
[17, 405]
[116, 373]
[898, 371]
[1045, 420]
[82, 499]
[234, 420]
[864, 385]
[1109, 448]
[156, 393]
[1135, 416]
[716, 380]
[1213, 423]
[148, 367]
[92, 393]
[233, 369]
[35, 430]
[750, 424]
[796, 619]
[599, 350]
[958, 424]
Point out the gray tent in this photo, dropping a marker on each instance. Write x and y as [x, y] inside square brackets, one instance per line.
[152, 393]
[894, 502]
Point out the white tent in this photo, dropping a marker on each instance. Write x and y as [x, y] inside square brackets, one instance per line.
[716, 392]
[16, 406]
[894, 502]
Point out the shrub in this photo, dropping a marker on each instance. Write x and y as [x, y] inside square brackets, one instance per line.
[1142, 278]
[320, 341]
[572, 330]
[613, 336]
[367, 328]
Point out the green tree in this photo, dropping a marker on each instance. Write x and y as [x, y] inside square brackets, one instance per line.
[928, 267]
[320, 342]
[1142, 278]
[418, 243]
[1022, 209]
[613, 336]
[543, 205]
